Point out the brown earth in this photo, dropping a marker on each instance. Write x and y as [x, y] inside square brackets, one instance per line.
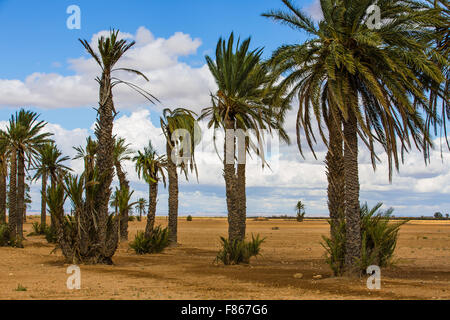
[422, 269]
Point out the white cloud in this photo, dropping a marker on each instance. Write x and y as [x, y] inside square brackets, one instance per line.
[315, 10]
[175, 83]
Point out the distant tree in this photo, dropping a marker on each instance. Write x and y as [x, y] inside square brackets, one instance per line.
[300, 209]
[438, 215]
[446, 215]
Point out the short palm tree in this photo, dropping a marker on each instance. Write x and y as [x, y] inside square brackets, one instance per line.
[25, 135]
[3, 175]
[150, 166]
[300, 210]
[181, 131]
[50, 164]
[122, 152]
[242, 102]
[140, 207]
[363, 81]
[110, 50]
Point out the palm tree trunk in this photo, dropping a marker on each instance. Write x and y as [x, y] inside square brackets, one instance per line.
[3, 173]
[334, 162]
[20, 192]
[153, 194]
[241, 200]
[44, 201]
[231, 183]
[352, 214]
[105, 165]
[12, 220]
[124, 184]
[173, 196]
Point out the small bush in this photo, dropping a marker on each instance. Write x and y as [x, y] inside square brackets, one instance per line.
[37, 229]
[4, 235]
[50, 234]
[237, 252]
[21, 288]
[378, 240]
[5, 238]
[131, 218]
[155, 243]
[189, 218]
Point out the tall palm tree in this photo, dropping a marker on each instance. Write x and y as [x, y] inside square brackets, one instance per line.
[3, 175]
[150, 166]
[181, 130]
[140, 206]
[24, 135]
[110, 50]
[363, 81]
[122, 152]
[50, 164]
[243, 101]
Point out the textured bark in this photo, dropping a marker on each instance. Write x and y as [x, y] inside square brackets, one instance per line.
[105, 163]
[173, 196]
[234, 228]
[352, 214]
[124, 184]
[12, 195]
[3, 173]
[152, 196]
[241, 199]
[335, 175]
[20, 192]
[43, 201]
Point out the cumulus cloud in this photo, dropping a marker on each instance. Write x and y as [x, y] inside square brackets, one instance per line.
[175, 83]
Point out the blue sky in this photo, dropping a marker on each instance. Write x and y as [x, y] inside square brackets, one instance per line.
[45, 68]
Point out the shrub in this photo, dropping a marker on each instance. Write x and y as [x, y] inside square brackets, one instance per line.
[378, 240]
[237, 252]
[189, 218]
[20, 288]
[155, 243]
[50, 234]
[131, 218]
[4, 235]
[37, 229]
[5, 239]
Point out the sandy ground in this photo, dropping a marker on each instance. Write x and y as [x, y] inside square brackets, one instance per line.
[422, 269]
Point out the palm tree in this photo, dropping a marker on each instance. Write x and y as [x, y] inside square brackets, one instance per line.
[110, 49]
[242, 102]
[24, 136]
[363, 81]
[181, 131]
[50, 164]
[150, 166]
[300, 210]
[3, 175]
[141, 203]
[122, 152]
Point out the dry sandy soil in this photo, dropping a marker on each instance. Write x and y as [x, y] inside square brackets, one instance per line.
[422, 269]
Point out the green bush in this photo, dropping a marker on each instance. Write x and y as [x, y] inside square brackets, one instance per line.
[189, 218]
[378, 240]
[155, 243]
[5, 238]
[50, 234]
[37, 229]
[4, 235]
[131, 218]
[237, 252]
